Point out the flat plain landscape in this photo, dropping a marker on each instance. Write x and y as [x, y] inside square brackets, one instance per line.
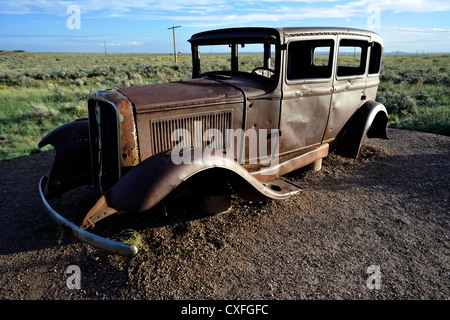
[40, 91]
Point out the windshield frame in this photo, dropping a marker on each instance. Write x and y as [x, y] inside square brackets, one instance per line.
[271, 47]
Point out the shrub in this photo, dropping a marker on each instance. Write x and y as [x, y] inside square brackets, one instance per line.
[397, 102]
[38, 113]
[433, 120]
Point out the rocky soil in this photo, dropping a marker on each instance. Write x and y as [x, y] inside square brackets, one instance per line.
[389, 208]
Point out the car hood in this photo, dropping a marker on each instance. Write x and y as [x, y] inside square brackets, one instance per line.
[182, 94]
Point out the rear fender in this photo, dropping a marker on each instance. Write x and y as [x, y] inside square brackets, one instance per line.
[370, 119]
[72, 164]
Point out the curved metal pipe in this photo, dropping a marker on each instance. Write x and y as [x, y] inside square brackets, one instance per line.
[83, 235]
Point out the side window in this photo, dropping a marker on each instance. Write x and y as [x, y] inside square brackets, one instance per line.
[352, 58]
[310, 59]
[375, 58]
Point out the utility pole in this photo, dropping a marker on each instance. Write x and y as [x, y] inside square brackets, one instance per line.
[174, 42]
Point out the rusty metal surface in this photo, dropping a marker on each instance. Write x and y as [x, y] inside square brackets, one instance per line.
[129, 154]
[102, 209]
[181, 94]
[153, 179]
[291, 163]
[190, 93]
[128, 137]
[178, 102]
[162, 128]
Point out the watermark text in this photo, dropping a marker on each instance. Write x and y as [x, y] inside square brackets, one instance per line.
[74, 279]
[374, 280]
[74, 20]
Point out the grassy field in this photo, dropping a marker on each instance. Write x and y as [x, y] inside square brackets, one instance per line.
[40, 91]
[416, 91]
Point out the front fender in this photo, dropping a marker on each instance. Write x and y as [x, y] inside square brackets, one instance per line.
[72, 164]
[370, 119]
[152, 180]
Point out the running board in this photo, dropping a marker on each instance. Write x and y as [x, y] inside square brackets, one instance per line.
[283, 186]
[275, 171]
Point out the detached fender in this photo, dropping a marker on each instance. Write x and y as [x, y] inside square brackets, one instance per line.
[153, 179]
[72, 164]
[370, 119]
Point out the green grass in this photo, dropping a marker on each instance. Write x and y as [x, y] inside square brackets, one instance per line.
[415, 91]
[41, 91]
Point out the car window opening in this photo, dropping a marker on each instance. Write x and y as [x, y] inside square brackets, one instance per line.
[310, 59]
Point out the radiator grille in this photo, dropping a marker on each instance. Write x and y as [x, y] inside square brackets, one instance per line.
[165, 138]
[103, 126]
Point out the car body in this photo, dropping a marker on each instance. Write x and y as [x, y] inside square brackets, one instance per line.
[229, 126]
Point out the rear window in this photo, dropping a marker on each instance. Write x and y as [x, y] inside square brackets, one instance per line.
[375, 58]
[310, 59]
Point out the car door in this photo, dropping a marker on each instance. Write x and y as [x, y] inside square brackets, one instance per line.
[306, 93]
[349, 88]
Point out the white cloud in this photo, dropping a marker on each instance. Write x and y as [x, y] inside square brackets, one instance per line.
[397, 6]
[135, 43]
[120, 8]
[212, 13]
[441, 29]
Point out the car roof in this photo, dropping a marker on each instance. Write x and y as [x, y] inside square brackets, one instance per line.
[235, 34]
[273, 35]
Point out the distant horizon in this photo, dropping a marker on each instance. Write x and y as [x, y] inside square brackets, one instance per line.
[171, 53]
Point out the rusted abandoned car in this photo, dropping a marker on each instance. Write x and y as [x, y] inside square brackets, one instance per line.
[229, 127]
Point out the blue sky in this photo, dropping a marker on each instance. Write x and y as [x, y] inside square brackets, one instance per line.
[141, 25]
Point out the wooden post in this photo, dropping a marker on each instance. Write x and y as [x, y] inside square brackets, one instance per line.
[174, 42]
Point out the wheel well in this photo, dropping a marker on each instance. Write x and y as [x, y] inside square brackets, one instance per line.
[371, 120]
[378, 127]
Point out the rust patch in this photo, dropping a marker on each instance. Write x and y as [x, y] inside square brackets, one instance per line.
[129, 155]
